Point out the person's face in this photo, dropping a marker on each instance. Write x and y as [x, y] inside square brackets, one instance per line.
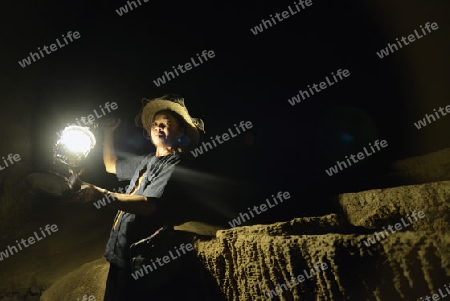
[165, 130]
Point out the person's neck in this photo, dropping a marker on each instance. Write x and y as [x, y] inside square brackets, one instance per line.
[164, 151]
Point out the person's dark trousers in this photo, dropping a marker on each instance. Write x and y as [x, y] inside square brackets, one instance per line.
[120, 285]
[188, 284]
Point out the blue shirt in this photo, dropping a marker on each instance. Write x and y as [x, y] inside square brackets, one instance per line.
[129, 227]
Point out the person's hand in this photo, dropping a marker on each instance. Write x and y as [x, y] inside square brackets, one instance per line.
[74, 180]
[110, 125]
[87, 193]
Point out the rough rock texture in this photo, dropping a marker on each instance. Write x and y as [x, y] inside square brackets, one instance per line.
[248, 262]
[331, 256]
[432, 167]
[374, 208]
[89, 279]
[426, 162]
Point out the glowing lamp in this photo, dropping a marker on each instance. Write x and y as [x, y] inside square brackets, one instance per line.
[72, 148]
[74, 145]
[69, 153]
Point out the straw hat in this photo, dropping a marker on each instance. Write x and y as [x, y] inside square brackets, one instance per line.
[174, 103]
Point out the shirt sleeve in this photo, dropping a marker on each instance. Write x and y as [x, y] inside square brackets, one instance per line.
[126, 167]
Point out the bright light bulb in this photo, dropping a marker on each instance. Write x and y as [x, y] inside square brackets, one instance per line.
[77, 139]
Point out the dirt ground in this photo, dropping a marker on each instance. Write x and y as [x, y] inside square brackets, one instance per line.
[81, 237]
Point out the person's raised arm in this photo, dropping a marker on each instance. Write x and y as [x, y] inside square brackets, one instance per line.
[109, 156]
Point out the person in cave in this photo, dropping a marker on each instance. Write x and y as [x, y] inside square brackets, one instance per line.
[154, 197]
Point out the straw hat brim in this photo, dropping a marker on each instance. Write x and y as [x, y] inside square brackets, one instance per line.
[192, 125]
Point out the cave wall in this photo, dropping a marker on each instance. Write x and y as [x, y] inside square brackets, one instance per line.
[249, 262]
[330, 256]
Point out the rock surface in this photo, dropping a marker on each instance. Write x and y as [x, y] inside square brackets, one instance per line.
[432, 167]
[373, 208]
[330, 256]
[246, 263]
[249, 262]
[89, 279]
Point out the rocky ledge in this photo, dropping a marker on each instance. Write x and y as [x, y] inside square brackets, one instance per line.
[389, 244]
